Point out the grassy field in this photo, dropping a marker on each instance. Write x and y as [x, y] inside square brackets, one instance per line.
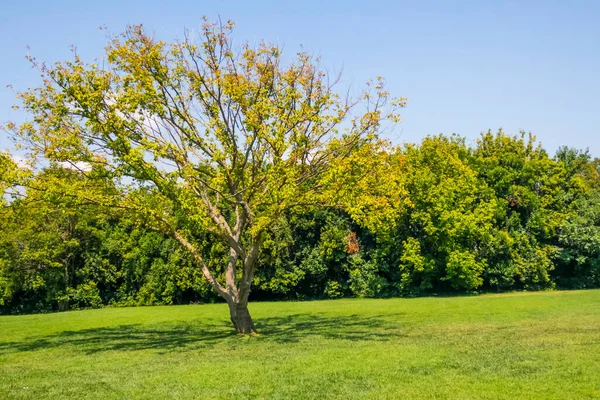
[527, 345]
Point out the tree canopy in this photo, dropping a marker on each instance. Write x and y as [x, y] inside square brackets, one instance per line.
[461, 229]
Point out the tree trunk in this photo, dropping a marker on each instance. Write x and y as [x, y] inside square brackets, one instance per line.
[241, 319]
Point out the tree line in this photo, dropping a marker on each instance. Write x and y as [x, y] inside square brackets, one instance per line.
[499, 215]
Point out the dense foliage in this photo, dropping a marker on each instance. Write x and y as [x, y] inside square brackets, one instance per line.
[499, 215]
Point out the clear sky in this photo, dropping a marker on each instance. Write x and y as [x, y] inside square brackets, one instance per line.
[465, 65]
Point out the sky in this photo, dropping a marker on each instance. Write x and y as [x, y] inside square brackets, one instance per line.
[466, 66]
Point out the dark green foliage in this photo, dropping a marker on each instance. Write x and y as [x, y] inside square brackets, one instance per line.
[307, 256]
[579, 237]
[501, 215]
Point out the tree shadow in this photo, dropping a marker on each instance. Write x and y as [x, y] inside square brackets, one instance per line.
[296, 327]
[196, 335]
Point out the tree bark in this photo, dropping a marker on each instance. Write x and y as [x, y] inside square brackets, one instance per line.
[236, 299]
[240, 317]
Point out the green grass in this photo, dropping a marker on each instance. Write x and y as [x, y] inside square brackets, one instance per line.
[527, 345]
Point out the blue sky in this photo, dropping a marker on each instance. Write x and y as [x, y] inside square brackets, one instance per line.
[465, 65]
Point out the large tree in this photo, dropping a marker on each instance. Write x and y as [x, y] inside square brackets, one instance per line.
[204, 137]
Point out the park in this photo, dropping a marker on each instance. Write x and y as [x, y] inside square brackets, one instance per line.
[216, 215]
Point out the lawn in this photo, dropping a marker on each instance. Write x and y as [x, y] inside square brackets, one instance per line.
[543, 345]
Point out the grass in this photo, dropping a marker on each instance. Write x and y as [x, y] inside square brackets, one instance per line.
[528, 345]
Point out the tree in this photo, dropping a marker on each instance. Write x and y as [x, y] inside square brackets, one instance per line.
[448, 225]
[201, 137]
[528, 187]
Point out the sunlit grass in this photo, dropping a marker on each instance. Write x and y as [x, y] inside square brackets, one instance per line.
[527, 345]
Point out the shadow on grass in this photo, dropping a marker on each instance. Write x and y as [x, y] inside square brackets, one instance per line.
[178, 336]
[293, 328]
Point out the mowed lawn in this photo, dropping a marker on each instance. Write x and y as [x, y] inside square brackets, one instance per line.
[543, 345]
